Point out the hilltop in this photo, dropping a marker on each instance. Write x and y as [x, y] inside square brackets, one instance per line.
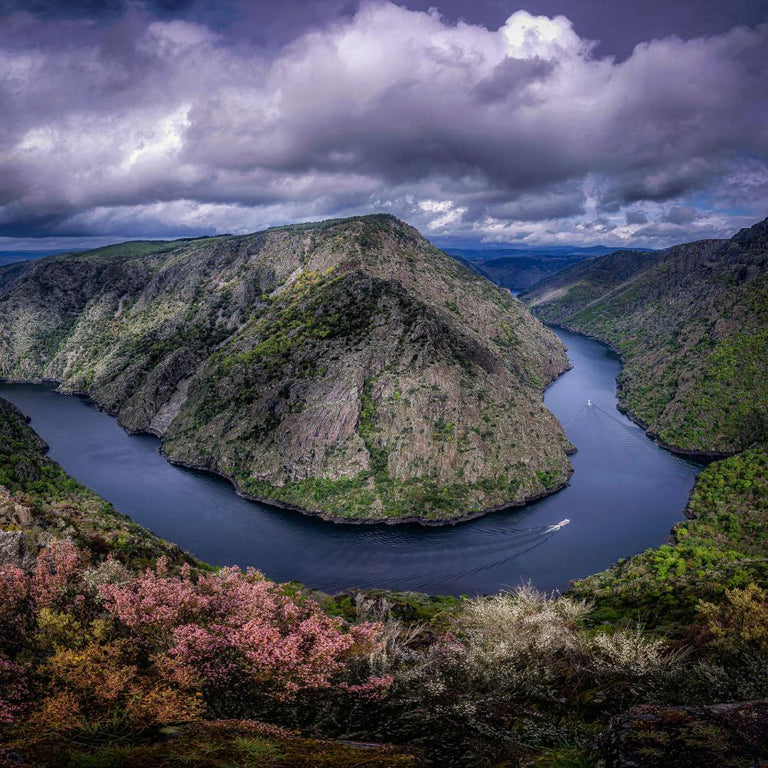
[345, 368]
[691, 325]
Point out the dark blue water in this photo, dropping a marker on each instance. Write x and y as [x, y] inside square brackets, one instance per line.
[625, 495]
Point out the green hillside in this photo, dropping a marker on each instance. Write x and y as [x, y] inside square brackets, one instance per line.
[691, 325]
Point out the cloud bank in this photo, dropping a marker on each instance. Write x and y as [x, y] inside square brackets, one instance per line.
[144, 127]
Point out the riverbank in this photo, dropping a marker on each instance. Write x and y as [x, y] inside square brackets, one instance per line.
[282, 504]
[624, 408]
[484, 555]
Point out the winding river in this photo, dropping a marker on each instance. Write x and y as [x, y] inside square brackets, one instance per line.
[625, 495]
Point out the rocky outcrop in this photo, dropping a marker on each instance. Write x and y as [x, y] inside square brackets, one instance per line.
[347, 368]
[690, 324]
[13, 550]
[689, 737]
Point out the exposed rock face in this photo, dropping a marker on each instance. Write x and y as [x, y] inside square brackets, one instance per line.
[691, 324]
[346, 368]
[689, 737]
[13, 549]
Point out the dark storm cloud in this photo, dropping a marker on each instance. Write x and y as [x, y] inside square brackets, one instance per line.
[167, 118]
[511, 78]
[90, 9]
[556, 204]
[636, 217]
[681, 214]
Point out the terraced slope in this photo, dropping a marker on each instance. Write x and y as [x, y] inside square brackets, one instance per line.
[346, 368]
[691, 324]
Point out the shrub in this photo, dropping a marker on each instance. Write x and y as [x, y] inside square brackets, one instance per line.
[739, 624]
[101, 690]
[114, 653]
[236, 636]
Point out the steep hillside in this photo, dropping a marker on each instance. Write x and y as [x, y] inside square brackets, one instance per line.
[691, 324]
[10, 273]
[40, 504]
[346, 368]
[521, 268]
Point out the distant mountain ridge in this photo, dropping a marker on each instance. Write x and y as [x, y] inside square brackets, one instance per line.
[521, 250]
[691, 324]
[520, 268]
[12, 257]
[345, 368]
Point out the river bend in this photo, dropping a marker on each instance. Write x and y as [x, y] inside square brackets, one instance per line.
[625, 495]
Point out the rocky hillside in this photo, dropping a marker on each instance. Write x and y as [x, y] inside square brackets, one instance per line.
[691, 324]
[346, 368]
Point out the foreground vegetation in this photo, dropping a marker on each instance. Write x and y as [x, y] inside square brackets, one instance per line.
[116, 649]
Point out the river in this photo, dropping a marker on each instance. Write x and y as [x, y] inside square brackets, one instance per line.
[625, 495]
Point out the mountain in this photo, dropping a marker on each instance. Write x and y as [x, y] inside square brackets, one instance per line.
[521, 268]
[691, 324]
[346, 368]
[12, 257]
[518, 273]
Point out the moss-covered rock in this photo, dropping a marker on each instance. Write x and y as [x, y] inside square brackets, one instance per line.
[215, 744]
[723, 735]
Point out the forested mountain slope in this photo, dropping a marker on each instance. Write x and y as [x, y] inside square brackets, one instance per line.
[691, 324]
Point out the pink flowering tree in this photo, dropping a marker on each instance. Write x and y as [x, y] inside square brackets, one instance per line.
[235, 636]
[15, 608]
[56, 578]
[13, 690]
[109, 649]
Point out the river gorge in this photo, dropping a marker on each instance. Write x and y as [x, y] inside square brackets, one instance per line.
[624, 496]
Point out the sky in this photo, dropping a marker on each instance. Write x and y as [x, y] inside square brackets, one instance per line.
[480, 122]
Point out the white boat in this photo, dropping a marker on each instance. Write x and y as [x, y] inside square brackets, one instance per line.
[558, 526]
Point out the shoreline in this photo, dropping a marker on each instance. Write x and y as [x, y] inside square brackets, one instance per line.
[426, 523]
[326, 517]
[623, 408]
